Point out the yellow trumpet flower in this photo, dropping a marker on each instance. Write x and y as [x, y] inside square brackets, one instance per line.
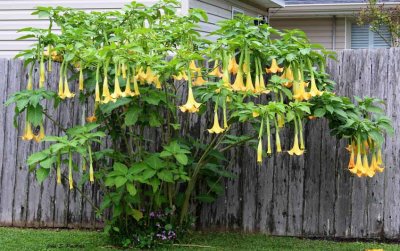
[259, 151]
[59, 169]
[157, 82]
[80, 79]
[91, 119]
[216, 72]
[281, 120]
[216, 128]
[106, 92]
[274, 67]
[199, 80]
[70, 179]
[296, 149]
[288, 74]
[61, 86]
[193, 67]
[29, 86]
[149, 75]
[191, 104]
[351, 164]
[368, 171]
[379, 158]
[278, 142]
[233, 67]
[249, 83]
[300, 93]
[128, 91]
[238, 85]
[374, 165]
[180, 76]
[359, 166]
[314, 90]
[41, 134]
[41, 73]
[28, 134]
[67, 93]
[136, 87]
[117, 89]
[97, 92]
[226, 79]
[123, 69]
[141, 75]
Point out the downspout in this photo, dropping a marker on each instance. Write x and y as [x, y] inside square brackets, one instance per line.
[334, 32]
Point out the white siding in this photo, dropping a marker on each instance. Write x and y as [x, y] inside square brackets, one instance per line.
[16, 14]
[318, 30]
[218, 10]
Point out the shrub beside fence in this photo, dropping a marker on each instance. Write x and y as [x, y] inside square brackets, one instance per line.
[310, 195]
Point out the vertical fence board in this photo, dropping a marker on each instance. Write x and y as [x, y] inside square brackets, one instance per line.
[392, 150]
[312, 195]
[9, 162]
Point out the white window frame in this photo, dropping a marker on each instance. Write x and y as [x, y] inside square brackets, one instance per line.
[236, 10]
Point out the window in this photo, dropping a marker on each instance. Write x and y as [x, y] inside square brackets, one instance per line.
[236, 11]
[363, 37]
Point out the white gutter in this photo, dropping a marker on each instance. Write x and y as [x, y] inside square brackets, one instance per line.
[340, 9]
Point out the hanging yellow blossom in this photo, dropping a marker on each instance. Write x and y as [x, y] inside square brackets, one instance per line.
[80, 78]
[238, 85]
[28, 134]
[368, 171]
[259, 151]
[296, 149]
[91, 119]
[117, 89]
[67, 93]
[274, 67]
[41, 134]
[249, 83]
[288, 74]
[314, 90]
[149, 75]
[233, 67]
[216, 72]
[216, 128]
[29, 86]
[191, 104]
[199, 80]
[193, 67]
[106, 92]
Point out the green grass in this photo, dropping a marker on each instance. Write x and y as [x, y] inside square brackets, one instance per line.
[32, 239]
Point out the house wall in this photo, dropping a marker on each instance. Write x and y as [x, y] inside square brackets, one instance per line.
[16, 14]
[218, 10]
[319, 30]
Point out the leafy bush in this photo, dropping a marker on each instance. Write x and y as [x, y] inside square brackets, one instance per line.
[135, 65]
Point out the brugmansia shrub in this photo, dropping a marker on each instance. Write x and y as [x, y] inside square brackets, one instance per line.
[143, 69]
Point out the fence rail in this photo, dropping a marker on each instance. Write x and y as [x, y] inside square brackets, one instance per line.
[311, 195]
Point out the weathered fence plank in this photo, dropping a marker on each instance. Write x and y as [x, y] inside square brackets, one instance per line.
[311, 195]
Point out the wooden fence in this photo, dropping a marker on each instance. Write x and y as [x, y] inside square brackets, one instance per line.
[311, 195]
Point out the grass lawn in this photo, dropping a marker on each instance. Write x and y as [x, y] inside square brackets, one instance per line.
[32, 239]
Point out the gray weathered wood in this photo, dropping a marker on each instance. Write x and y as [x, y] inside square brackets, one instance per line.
[311, 195]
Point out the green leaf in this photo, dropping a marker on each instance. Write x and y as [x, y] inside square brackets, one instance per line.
[320, 112]
[131, 189]
[182, 158]
[110, 106]
[120, 168]
[36, 157]
[42, 174]
[132, 115]
[154, 162]
[147, 174]
[35, 114]
[137, 215]
[120, 181]
[166, 176]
